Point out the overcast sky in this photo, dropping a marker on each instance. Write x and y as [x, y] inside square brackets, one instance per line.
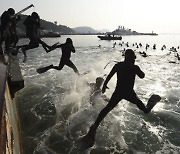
[160, 16]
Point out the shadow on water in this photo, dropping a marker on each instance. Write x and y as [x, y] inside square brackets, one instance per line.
[36, 113]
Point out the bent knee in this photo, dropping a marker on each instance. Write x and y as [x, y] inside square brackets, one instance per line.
[36, 45]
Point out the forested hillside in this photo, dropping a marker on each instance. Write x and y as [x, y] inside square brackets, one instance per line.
[46, 25]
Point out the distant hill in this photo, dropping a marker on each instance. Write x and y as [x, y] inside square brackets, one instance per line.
[88, 30]
[62, 29]
[84, 29]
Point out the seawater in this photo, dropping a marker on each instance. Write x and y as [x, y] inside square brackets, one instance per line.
[54, 107]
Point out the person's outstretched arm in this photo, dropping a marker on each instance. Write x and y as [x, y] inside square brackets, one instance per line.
[73, 49]
[112, 72]
[139, 72]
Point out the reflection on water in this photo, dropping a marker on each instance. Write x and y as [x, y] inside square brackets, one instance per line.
[55, 110]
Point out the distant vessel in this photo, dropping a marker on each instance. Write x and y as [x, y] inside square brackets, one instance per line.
[46, 33]
[109, 37]
[125, 31]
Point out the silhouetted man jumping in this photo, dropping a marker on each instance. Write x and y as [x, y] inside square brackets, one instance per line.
[67, 48]
[126, 72]
[32, 24]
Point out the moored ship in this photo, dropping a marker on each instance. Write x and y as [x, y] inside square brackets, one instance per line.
[121, 30]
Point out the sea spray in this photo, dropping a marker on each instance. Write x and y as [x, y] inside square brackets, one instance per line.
[75, 114]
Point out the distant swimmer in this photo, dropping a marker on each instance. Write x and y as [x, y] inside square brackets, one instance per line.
[147, 46]
[163, 47]
[143, 54]
[114, 44]
[178, 57]
[126, 72]
[66, 48]
[173, 49]
[127, 44]
[140, 44]
[154, 46]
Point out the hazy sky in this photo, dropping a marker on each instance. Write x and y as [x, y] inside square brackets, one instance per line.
[161, 16]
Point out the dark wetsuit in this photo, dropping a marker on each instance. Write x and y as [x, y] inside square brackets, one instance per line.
[32, 32]
[126, 73]
[6, 21]
[67, 48]
[32, 25]
[13, 31]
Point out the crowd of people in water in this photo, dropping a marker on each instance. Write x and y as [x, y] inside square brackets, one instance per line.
[143, 49]
[126, 70]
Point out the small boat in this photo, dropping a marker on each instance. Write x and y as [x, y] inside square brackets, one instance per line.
[109, 37]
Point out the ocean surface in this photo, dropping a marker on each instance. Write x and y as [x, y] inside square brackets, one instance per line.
[55, 110]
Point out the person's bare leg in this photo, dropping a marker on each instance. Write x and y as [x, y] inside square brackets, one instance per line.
[71, 65]
[89, 138]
